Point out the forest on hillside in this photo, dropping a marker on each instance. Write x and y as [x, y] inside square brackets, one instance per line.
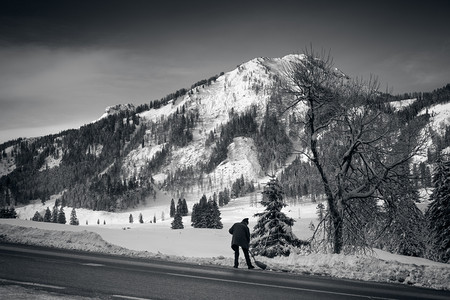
[90, 158]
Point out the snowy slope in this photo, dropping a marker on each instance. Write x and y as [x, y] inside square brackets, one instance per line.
[399, 105]
[440, 118]
[250, 84]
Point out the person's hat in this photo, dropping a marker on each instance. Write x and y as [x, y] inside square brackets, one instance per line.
[245, 220]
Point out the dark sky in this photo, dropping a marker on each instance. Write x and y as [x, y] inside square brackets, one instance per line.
[63, 62]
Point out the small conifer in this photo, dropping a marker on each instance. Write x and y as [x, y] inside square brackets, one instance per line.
[177, 222]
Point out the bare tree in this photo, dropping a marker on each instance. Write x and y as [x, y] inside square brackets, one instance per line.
[353, 139]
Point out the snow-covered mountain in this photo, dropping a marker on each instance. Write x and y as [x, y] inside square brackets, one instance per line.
[249, 85]
[198, 140]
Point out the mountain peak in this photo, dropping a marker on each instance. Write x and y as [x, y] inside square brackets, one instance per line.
[118, 108]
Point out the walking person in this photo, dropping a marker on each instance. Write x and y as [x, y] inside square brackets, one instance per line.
[241, 238]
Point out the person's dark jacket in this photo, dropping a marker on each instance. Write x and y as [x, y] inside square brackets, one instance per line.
[241, 235]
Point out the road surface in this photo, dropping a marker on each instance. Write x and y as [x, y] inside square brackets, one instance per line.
[98, 276]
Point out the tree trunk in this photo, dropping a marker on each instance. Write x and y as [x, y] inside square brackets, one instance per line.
[337, 231]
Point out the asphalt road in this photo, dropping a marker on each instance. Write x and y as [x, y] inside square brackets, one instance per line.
[111, 277]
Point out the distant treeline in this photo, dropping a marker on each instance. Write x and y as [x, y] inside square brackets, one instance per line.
[173, 96]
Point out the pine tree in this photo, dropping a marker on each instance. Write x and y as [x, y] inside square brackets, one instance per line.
[221, 197]
[141, 219]
[73, 218]
[272, 235]
[54, 218]
[177, 222]
[172, 208]
[226, 198]
[198, 217]
[61, 216]
[184, 208]
[213, 214]
[179, 206]
[37, 217]
[48, 215]
[438, 214]
[130, 218]
[206, 214]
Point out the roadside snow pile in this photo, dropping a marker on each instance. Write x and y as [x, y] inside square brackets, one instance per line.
[83, 240]
[368, 268]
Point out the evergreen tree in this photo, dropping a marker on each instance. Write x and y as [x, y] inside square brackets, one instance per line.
[272, 235]
[48, 215]
[8, 213]
[198, 217]
[172, 208]
[37, 217]
[154, 218]
[179, 206]
[401, 224]
[130, 218]
[55, 214]
[61, 216]
[177, 222]
[438, 214]
[73, 218]
[184, 208]
[213, 214]
[206, 214]
[221, 198]
[226, 198]
[141, 219]
[320, 211]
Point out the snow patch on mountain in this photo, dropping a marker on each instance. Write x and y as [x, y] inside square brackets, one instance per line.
[156, 115]
[51, 162]
[188, 156]
[242, 161]
[440, 118]
[399, 105]
[138, 158]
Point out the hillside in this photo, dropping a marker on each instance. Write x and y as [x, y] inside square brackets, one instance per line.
[196, 140]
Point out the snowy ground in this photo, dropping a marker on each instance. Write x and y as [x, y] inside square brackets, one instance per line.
[212, 246]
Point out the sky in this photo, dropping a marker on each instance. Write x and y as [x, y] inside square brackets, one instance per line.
[63, 62]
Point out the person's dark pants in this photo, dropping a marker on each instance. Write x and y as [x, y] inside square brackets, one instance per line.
[236, 256]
